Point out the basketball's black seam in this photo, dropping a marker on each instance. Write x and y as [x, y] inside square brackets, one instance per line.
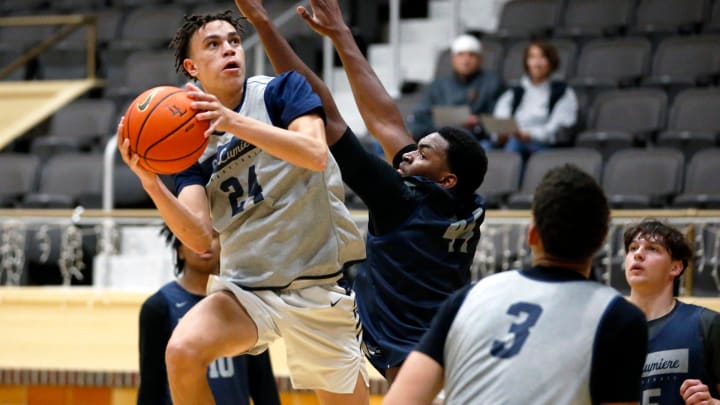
[149, 148]
[202, 145]
[149, 113]
[148, 160]
[152, 145]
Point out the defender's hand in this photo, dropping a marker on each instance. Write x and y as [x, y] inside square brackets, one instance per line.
[326, 18]
[253, 10]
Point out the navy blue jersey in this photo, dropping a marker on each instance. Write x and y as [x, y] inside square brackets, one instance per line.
[420, 244]
[230, 379]
[680, 347]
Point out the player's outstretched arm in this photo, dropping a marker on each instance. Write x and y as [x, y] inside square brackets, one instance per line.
[379, 112]
[188, 215]
[283, 58]
[419, 381]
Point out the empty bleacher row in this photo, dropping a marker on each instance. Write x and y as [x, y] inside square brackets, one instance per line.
[632, 178]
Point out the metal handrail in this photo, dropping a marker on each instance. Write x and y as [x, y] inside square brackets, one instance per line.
[71, 24]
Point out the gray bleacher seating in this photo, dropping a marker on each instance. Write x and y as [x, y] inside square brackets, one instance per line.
[592, 18]
[693, 121]
[80, 125]
[19, 174]
[701, 188]
[68, 180]
[620, 118]
[643, 178]
[502, 177]
[541, 162]
[612, 62]
[685, 61]
[523, 18]
[669, 16]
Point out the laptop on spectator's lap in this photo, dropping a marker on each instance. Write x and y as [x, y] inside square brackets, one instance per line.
[498, 125]
[450, 115]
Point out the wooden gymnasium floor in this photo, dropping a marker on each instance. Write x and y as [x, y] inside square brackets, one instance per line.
[78, 346]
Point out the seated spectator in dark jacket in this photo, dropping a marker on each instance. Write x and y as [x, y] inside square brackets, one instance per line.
[468, 85]
[540, 105]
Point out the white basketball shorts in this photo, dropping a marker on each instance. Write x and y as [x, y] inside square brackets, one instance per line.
[320, 326]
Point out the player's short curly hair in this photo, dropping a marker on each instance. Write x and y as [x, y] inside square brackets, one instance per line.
[181, 42]
[571, 213]
[465, 158]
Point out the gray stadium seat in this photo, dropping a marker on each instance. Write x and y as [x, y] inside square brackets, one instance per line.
[685, 61]
[19, 174]
[605, 142]
[143, 70]
[643, 178]
[702, 183]
[149, 27]
[502, 178]
[612, 62]
[659, 16]
[693, 121]
[81, 125]
[541, 162]
[523, 18]
[127, 189]
[583, 18]
[68, 180]
[626, 117]
[714, 24]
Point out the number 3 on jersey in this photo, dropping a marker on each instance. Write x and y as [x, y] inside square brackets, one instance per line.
[527, 315]
[236, 192]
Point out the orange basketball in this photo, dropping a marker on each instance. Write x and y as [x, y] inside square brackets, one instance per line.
[163, 130]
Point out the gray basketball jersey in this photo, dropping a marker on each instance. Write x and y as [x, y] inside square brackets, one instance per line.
[278, 223]
[516, 340]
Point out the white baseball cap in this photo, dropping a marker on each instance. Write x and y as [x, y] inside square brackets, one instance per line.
[466, 43]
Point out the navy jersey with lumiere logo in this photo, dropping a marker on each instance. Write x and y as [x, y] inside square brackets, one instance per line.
[676, 352]
[415, 267]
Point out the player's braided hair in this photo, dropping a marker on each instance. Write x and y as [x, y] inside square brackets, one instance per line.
[181, 42]
[174, 242]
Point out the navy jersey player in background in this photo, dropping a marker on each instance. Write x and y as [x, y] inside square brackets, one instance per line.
[233, 380]
[683, 361]
[269, 186]
[424, 217]
[543, 335]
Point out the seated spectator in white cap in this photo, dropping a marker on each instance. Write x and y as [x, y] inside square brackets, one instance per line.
[468, 85]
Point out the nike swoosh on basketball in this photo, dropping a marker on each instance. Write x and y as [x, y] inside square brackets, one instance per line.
[146, 103]
[180, 304]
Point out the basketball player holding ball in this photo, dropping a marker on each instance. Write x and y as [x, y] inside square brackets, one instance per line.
[267, 184]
